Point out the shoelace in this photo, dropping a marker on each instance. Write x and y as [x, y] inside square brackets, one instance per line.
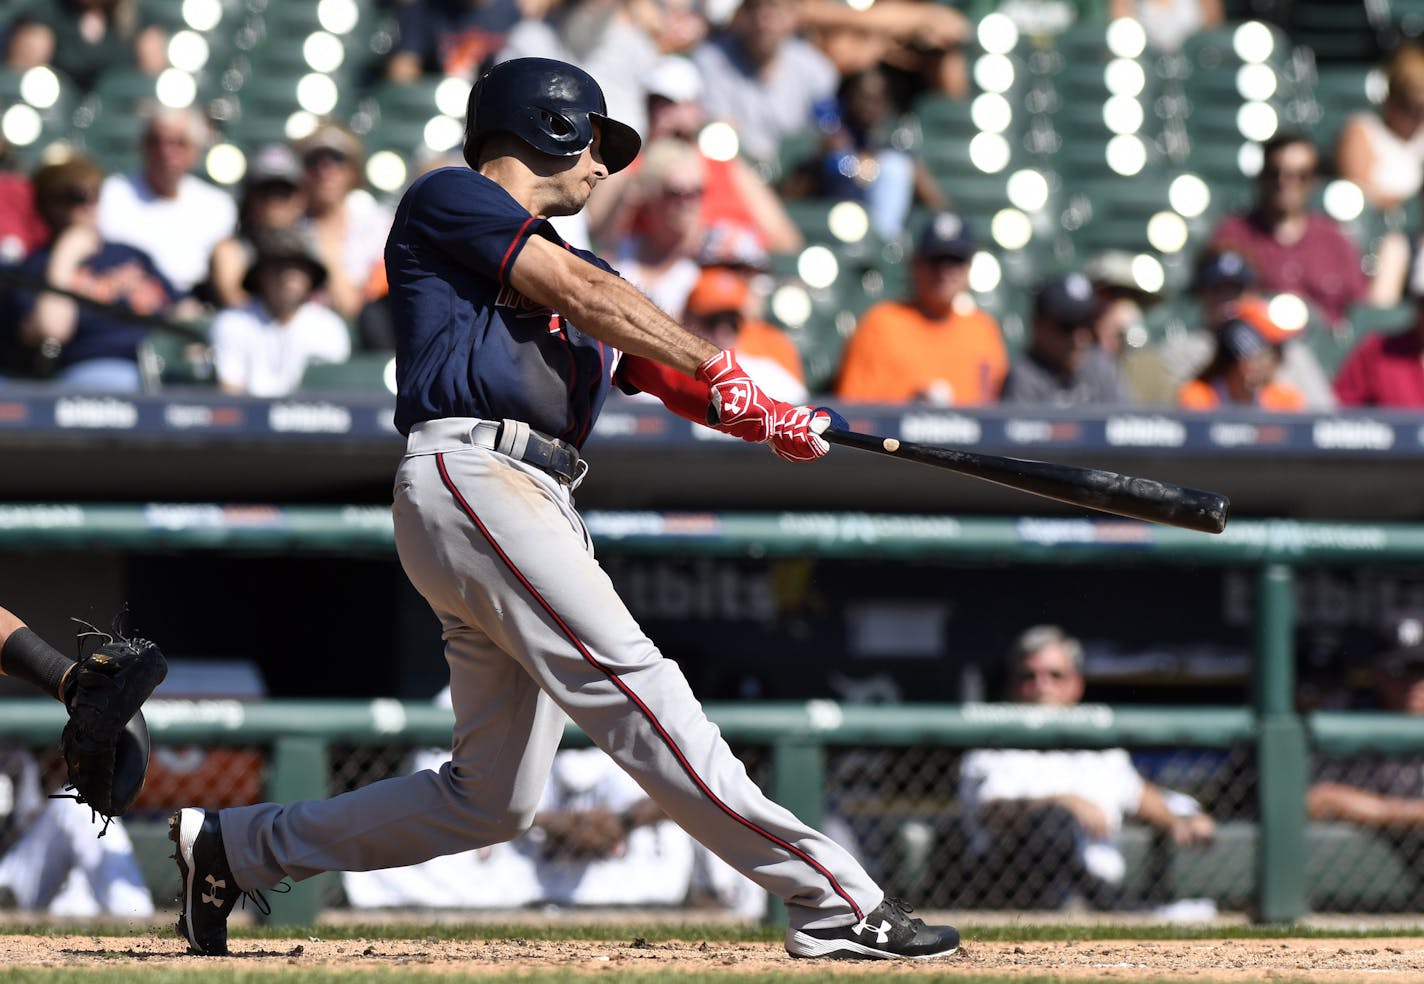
[259, 899]
[93, 813]
[904, 908]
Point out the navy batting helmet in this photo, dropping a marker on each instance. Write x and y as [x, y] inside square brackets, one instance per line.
[550, 105]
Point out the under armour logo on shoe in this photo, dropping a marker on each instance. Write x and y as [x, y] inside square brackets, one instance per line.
[220, 883]
[882, 934]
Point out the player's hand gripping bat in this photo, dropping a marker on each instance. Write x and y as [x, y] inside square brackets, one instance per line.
[1105, 491]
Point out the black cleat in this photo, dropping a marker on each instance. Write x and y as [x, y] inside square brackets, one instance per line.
[208, 892]
[886, 933]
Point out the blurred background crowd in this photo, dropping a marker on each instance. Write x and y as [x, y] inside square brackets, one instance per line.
[1195, 203]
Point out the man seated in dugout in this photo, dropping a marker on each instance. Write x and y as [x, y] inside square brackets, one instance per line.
[1045, 825]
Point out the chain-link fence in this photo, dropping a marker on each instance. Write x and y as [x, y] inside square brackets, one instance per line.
[924, 838]
[904, 813]
[1373, 868]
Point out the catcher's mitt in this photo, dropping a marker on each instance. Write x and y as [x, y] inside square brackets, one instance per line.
[105, 743]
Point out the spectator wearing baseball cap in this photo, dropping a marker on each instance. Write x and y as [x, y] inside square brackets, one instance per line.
[1224, 284]
[733, 248]
[936, 346]
[1241, 373]
[1121, 326]
[716, 311]
[263, 347]
[1063, 364]
[271, 199]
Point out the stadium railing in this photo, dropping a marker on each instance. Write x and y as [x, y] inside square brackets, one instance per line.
[815, 757]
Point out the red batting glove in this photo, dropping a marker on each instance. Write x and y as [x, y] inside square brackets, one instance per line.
[740, 407]
[795, 433]
[737, 404]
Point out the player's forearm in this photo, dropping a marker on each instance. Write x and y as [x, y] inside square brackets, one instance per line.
[605, 306]
[52, 317]
[1337, 801]
[614, 311]
[10, 623]
[1153, 808]
[25, 656]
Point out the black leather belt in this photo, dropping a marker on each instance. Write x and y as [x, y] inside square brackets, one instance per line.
[518, 440]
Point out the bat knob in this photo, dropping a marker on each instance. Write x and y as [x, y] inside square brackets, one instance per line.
[837, 421]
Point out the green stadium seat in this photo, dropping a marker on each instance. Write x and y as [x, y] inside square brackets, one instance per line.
[1335, 31]
[56, 120]
[1213, 50]
[1365, 319]
[1329, 345]
[364, 372]
[1340, 90]
[167, 358]
[1407, 17]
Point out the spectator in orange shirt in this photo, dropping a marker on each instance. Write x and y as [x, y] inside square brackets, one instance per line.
[935, 347]
[1241, 373]
[716, 310]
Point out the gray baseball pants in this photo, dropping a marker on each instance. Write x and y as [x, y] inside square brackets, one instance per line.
[533, 631]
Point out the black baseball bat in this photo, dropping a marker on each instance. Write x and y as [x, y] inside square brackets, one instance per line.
[1105, 491]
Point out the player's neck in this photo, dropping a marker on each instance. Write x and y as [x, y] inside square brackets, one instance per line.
[521, 183]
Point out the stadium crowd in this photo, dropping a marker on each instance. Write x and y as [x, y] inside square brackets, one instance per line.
[774, 130]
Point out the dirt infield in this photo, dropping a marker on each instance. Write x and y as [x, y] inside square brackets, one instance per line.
[1323, 960]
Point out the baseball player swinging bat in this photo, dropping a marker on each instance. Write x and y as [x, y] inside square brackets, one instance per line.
[1105, 491]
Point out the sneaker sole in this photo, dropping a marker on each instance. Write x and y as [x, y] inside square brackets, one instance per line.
[813, 948]
[183, 829]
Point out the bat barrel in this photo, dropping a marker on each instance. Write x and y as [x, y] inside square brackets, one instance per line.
[1093, 488]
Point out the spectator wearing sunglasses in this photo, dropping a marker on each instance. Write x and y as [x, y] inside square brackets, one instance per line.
[1294, 248]
[85, 345]
[936, 346]
[1044, 824]
[659, 249]
[163, 208]
[1063, 364]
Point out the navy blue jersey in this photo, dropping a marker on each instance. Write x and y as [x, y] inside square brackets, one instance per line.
[468, 344]
[117, 274]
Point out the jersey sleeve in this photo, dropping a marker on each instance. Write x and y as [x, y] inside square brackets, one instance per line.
[471, 219]
[683, 395]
